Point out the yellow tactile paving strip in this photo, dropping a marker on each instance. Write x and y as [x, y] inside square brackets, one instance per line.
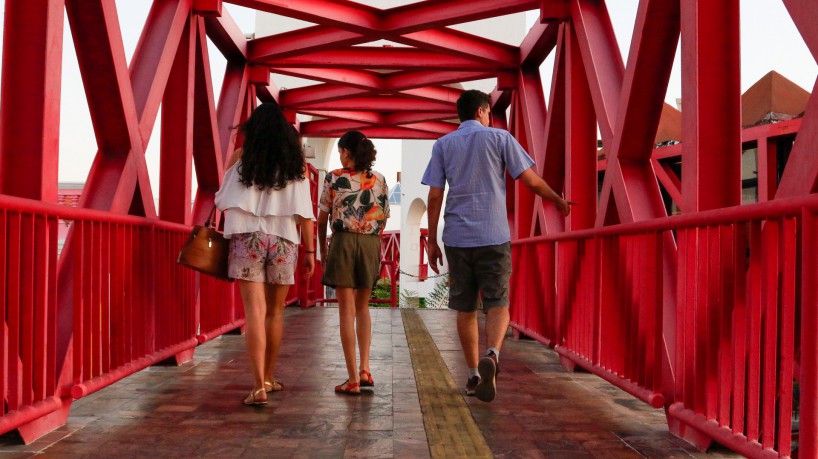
[450, 427]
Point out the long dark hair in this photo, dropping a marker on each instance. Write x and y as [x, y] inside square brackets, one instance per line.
[361, 150]
[272, 152]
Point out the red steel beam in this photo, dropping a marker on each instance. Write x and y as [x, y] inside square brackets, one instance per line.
[552, 165]
[399, 81]
[391, 133]
[440, 13]
[120, 164]
[320, 38]
[801, 174]
[176, 146]
[461, 44]
[153, 58]
[711, 95]
[207, 145]
[538, 44]
[356, 116]
[329, 126]
[603, 61]
[414, 117]
[580, 139]
[356, 78]
[29, 134]
[349, 15]
[300, 41]
[630, 175]
[231, 103]
[369, 57]
[326, 92]
[440, 94]
[226, 35]
[805, 16]
[382, 104]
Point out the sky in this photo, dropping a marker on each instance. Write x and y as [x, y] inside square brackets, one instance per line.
[768, 37]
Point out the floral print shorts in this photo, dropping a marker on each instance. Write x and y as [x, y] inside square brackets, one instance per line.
[260, 257]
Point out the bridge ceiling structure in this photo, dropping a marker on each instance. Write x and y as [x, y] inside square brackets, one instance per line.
[404, 89]
[710, 315]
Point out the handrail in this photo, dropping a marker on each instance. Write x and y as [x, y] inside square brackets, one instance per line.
[770, 209]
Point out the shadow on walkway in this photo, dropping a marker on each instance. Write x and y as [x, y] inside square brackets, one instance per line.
[196, 410]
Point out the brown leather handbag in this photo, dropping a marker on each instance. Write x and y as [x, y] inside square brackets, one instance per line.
[206, 250]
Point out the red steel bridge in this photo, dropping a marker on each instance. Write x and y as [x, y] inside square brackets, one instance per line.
[710, 315]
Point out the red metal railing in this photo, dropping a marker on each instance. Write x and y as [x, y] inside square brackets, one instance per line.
[598, 299]
[129, 304]
[423, 265]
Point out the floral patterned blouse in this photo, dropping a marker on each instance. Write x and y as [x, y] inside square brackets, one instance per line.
[358, 202]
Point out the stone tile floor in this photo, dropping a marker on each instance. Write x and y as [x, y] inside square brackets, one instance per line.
[194, 410]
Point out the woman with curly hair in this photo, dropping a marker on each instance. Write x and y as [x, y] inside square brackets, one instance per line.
[356, 200]
[265, 196]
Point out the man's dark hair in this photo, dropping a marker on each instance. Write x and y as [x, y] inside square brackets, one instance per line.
[468, 103]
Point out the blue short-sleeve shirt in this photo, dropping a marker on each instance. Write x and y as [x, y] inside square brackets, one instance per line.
[473, 160]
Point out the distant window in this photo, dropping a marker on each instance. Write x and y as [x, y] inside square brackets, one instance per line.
[394, 195]
[749, 174]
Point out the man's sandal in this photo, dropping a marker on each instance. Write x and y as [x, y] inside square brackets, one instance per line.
[253, 398]
[273, 386]
[366, 379]
[352, 388]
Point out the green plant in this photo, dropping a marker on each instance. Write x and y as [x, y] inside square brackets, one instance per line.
[407, 298]
[439, 296]
[382, 291]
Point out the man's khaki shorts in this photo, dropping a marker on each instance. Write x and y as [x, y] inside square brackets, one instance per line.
[353, 260]
[485, 269]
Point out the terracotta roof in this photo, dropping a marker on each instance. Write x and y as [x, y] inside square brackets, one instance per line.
[772, 98]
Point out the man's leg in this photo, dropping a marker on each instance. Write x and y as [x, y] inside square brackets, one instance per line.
[463, 299]
[497, 319]
[467, 330]
[493, 273]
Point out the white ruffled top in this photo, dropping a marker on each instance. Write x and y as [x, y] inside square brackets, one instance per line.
[269, 211]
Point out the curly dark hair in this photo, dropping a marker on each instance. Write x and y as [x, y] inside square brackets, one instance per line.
[272, 153]
[361, 150]
[468, 103]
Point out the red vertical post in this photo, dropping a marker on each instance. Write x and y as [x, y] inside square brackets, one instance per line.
[30, 103]
[808, 437]
[711, 100]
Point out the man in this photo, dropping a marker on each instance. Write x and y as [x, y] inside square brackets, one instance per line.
[474, 160]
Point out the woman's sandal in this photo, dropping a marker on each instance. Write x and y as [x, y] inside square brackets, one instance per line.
[273, 386]
[352, 388]
[253, 399]
[366, 379]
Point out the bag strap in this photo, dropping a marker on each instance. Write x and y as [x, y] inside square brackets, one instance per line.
[211, 220]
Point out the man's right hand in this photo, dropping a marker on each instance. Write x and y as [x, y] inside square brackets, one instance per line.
[435, 256]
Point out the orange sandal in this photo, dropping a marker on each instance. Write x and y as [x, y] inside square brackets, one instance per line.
[253, 399]
[352, 388]
[366, 379]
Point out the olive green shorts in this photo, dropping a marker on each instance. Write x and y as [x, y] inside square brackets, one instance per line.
[353, 260]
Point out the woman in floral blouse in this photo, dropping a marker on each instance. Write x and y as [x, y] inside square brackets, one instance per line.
[355, 200]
